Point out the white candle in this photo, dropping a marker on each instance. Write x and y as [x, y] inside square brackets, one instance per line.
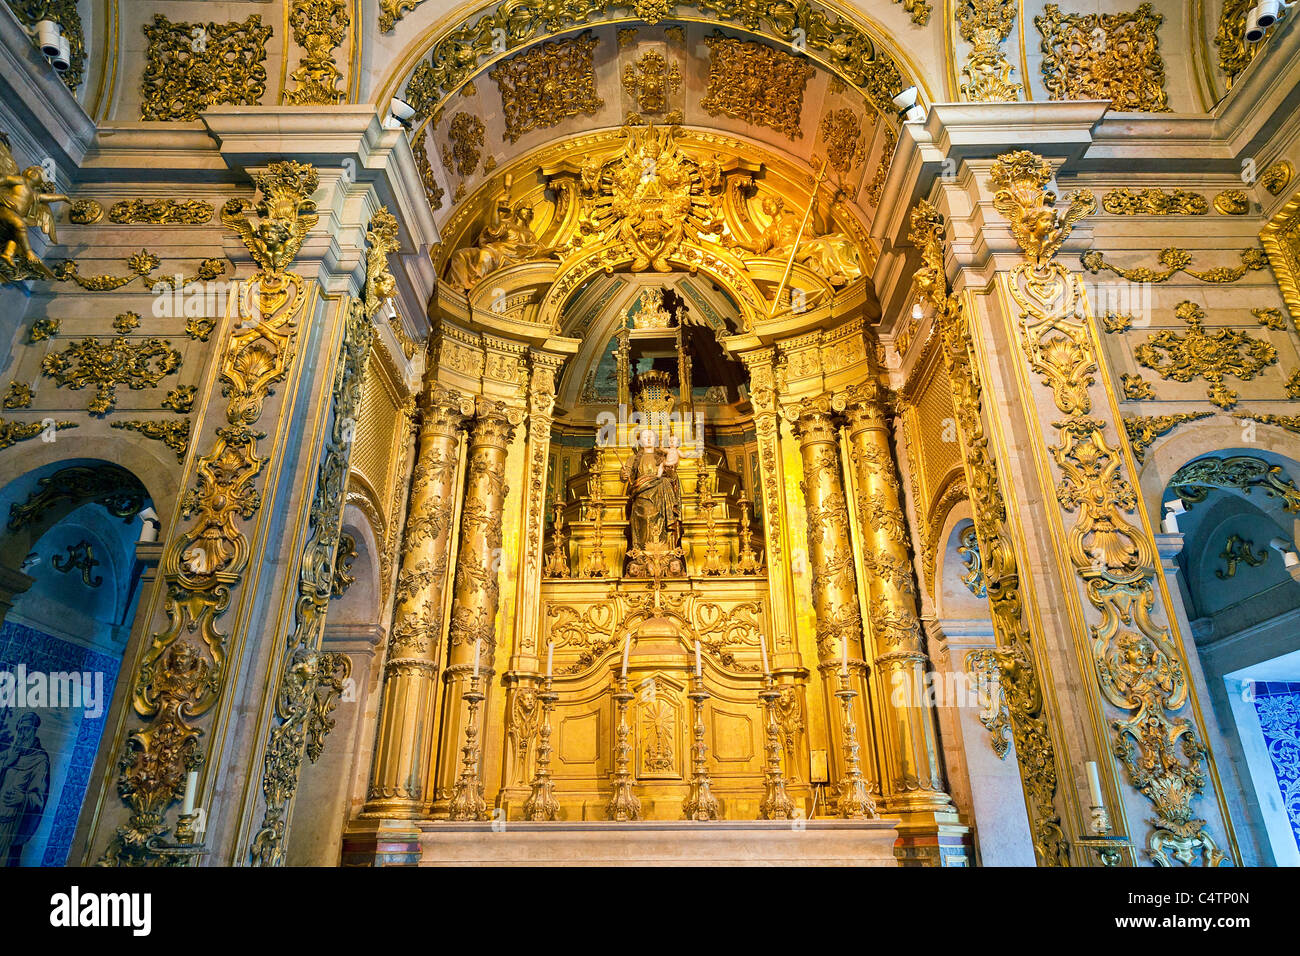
[698, 671]
[191, 788]
[550, 656]
[477, 649]
[844, 655]
[627, 649]
[762, 646]
[1094, 783]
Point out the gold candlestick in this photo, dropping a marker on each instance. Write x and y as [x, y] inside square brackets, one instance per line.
[700, 804]
[708, 504]
[541, 803]
[1110, 847]
[467, 801]
[854, 801]
[596, 514]
[776, 803]
[623, 805]
[748, 562]
[557, 562]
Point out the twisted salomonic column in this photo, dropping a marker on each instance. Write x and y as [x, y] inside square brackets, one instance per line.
[476, 591]
[913, 777]
[830, 558]
[404, 748]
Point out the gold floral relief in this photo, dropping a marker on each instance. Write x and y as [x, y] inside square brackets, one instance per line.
[756, 83]
[650, 81]
[843, 139]
[547, 84]
[192, 66]
[466, 136]
[1154, 202]
[193, 212]
[1207, 354]
[1104, 56]
[1143, 430]
[1281, 240]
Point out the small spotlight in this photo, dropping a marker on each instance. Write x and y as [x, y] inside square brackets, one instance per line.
[906, 99]
[400, 114]
[1172, 510]
[917, 312]
[1254, 32]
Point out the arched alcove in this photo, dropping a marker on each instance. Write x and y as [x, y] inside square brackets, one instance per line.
[62, 641]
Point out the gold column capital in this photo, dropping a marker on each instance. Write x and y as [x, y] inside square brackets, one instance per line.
[869, 404]
[813, 419]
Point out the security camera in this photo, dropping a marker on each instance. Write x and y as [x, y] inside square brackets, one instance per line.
[48, 34]
[1270, 11]
[391, 309]
[1254, 32]
[400, 114]
[62, 58]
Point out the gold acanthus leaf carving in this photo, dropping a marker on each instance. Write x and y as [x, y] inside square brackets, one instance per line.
[1104, 56]
[182, 670]
[459, 52]
[756, 84]
[381, 242]
[193, 212]
[1211, 355]
[1138, 665]
[285, 211]
[174, 433]
[465, 133]
[192, 66]
[1154, 202]
[842, 136]
[1013, 661]
[1232, 202]
[650, 81]
[1194, 481]
[1235, 53]
[318, 26]
[986, 74]
[109, 364]
[548, 83]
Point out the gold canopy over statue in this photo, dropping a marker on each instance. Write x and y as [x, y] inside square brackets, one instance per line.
[25, 198]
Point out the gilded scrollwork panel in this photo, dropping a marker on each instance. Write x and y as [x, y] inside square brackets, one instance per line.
[1104, 56]
[1137, 662]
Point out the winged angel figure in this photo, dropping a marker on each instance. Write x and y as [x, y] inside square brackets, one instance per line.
[25, 197]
